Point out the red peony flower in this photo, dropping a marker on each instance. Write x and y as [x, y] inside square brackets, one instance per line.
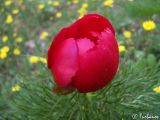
[84, 56]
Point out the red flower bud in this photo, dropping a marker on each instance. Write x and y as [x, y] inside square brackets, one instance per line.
[84, 55]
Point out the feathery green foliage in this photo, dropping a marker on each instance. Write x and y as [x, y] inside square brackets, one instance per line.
[130, 92]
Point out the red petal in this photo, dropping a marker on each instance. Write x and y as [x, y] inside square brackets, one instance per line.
[65, 62]
[98, 65]
[64, 34]
[84, 45]
[92, 22]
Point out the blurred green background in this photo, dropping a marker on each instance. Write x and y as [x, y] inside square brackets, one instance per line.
[27, 28]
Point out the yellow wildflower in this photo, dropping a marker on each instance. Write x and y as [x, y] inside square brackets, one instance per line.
[75, 1]
[108, 3]
[122, 48]
[58, 14]
[9, 19]
[43, 60]
[16, 88]
[5, 49]
[5, 38]
[84, 5]
[8, 2]
[16, 52]
[44, 35]
[149, 25]
[19, 39]
[49, 2]
[33, 59]
[82, 11]
[127, 34]
[3, 55]
[3, 52]
[41, 6]
[14, 34]
[157, 89]
[15, 11]
[55, 3]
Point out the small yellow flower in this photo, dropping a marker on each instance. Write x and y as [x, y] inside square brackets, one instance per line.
[58, 14]
[122, 48]
[16, 88]
[83, 10]
[149, 25]
[44, 35]
[41, 6]
[3, 52]
[9, 19]
[33, 59]
[108, 3]
[19, 39]
[75, 1]
[43, 60]
[85, 5]
[14, 34]
[15, 11]
[127, 34]
[8, 2]
[156, 89]
[5, 38]
[55, 3]
[49, 2]
[5, 49]
[16, 52]
[3, 55]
